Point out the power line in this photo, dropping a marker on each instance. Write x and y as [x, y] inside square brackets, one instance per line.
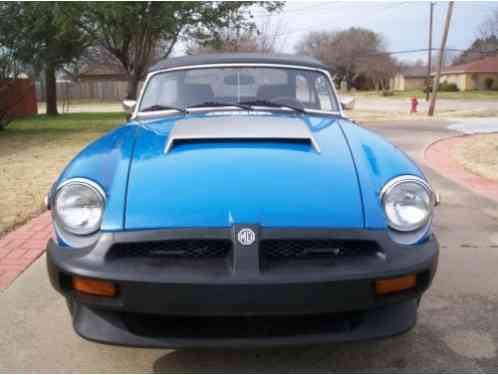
[266, 14]
[322, 4]
[420, 50]
[382, 9]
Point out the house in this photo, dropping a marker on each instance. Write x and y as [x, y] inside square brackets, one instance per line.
[102, 72]
[477, 75]
[413, 78]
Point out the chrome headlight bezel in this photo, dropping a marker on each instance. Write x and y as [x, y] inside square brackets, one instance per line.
[92, 188]
[396, 183]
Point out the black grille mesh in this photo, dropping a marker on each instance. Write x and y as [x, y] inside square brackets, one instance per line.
[309, 249]
[194, 249]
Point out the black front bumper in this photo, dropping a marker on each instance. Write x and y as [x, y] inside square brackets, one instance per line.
[236, 301]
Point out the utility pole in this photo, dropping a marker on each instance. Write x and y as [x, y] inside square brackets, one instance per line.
[435, 84]
[429, 57]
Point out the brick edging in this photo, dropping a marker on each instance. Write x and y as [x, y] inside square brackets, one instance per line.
[22, 246]
[438, 155]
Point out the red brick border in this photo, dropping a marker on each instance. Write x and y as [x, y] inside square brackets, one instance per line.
[21, 247]
[438, 155]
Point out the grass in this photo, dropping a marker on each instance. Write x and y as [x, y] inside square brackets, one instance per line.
[85, 106]
[479, 154]
[467, 95]
[33, 152]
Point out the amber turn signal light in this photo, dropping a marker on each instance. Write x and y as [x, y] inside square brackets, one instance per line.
[95, 287]
[395, 285]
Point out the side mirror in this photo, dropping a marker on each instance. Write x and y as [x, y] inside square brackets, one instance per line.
[347, 102]
[129, 106]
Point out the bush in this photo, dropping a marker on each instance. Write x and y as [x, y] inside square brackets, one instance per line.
[448, 87]
[4, 121]
[387, 93]
[488, 83]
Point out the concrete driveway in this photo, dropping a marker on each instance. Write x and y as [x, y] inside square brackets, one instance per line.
[457, 328]
[365, 103]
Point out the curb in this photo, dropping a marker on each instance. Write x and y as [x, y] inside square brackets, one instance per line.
[438, 156]
[22, 246]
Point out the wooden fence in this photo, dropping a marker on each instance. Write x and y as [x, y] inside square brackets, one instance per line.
[18, 98]
[87, 90]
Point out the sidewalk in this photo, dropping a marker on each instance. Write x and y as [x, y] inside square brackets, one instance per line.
[21, 247]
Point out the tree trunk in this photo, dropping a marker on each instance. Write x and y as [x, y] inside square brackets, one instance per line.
[51, 90]
[133, 80]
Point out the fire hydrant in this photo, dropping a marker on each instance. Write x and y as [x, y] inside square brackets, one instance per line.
[413, 104]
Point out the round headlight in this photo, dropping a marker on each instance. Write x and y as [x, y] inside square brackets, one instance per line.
[408, 203]
[79, 206]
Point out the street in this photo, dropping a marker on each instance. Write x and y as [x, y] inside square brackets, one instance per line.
[457, 327]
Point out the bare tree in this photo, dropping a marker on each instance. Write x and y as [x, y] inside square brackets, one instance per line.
[265, 38]
[378, 69]
[349, 53]
[485, 44]
[489, 27]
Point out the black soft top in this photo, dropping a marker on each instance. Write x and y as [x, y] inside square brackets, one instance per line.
[234, 58]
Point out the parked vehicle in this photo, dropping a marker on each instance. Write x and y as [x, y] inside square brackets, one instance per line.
[239, 207]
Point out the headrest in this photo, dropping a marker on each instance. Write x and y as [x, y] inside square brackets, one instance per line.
[269, 92]
[197, 94]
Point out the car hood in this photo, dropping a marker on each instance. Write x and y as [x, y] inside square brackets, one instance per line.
[301, 177]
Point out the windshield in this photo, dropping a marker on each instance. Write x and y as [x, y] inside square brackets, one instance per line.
[244, 87]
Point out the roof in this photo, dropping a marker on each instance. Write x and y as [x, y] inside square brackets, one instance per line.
[487, 65]
[242, 58]
[415, 72]
[102, 69]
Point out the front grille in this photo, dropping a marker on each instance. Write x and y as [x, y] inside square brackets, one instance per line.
[192, 249]
[312, 249]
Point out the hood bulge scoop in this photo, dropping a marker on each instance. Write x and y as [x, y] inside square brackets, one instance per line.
[242, 128]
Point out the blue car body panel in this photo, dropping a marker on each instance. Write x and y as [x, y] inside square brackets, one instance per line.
[106, 162]
[218, 184]
[377, 161]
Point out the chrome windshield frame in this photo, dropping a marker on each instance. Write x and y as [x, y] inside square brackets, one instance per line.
[137, 113]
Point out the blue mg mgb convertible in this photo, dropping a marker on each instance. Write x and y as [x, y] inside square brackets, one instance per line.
[239, 207]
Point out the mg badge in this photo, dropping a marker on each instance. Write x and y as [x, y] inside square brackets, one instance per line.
[246, 236]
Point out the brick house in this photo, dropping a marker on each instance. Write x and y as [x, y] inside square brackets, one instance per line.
[409, 79]
[477, 75]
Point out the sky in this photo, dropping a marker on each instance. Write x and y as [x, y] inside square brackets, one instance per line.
[404, 24]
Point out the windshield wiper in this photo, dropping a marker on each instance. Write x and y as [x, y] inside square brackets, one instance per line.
[222, 104]
[159, 107]
[269, 103]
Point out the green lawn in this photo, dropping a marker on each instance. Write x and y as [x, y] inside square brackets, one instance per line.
[64, 124]
[33, 152]
[467, 95]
